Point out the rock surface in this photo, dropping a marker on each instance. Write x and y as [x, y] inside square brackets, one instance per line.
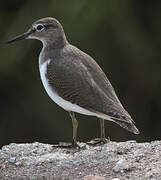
[124, 160]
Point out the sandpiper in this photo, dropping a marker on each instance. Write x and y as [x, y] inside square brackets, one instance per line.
[74, 80]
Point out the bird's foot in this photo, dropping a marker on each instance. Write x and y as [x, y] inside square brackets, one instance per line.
[67, 145]
[75, 145]
[98, 141]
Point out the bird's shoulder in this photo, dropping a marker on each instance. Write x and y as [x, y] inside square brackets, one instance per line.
[81, 69]
[84, 61]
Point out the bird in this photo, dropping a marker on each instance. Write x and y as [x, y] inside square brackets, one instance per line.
[74, 80]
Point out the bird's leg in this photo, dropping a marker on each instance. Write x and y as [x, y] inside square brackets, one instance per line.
[102, 139]
[102, 128]
[74, 142]
[75, 126]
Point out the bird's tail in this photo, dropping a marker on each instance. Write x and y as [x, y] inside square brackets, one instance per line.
[129, 126]
[123, 120]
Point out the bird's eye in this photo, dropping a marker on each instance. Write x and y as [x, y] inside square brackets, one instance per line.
[39, 27]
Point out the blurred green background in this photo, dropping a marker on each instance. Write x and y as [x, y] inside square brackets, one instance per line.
[124, 37]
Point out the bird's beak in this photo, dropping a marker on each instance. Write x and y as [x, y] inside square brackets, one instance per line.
[20, 37]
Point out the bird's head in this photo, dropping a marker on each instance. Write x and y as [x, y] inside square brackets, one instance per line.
[47, 30]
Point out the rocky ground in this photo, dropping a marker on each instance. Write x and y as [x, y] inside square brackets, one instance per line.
[111, 161]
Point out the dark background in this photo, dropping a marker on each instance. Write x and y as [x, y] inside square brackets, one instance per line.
[124, 37]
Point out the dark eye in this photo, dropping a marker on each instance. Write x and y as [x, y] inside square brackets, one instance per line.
[39, 27]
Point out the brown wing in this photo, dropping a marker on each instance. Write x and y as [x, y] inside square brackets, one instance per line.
[78, 78]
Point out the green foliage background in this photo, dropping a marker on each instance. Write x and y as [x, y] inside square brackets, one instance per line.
[124, 37]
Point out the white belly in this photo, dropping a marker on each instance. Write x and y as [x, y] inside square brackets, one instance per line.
[55, 97]
[68, 106]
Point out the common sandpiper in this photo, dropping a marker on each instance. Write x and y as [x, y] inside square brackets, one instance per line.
[73, 79]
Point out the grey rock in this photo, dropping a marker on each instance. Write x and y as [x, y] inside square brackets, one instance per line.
[42, 161]
[12, 159]
[121, 166]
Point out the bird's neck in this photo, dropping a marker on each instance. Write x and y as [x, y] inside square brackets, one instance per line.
[52, 49]
[58, 43]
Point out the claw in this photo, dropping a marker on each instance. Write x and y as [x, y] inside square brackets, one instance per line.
[66, 145]
[98, 141]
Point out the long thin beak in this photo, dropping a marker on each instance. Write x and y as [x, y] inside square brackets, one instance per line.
[20, 37]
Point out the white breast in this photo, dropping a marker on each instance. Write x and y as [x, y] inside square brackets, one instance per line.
[68, 106]
[55, 97]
